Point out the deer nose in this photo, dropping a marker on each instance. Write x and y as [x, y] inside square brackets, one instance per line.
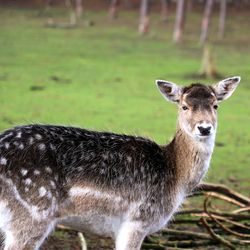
[204, 130]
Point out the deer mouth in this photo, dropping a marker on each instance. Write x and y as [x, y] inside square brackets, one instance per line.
[205, 134]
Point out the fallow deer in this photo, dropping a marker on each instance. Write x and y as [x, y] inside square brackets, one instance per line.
[114, 185]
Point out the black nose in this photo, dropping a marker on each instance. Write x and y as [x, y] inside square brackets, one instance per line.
[204, 131]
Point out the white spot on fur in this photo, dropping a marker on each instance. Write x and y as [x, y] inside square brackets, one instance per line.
[31, 140]
[21, 146]
[121, 178]
[19, 134]
[41, 146]
[42, 191]
[129, 159]
[53, 185]
[3, 161]
[24, 171]
[36, 172]
[26, 189]
[93, 166]
[48, 170]
[38, 136]
[7, 145]
[27, 181]
[79, 169]
[52, 147]
[105, 156]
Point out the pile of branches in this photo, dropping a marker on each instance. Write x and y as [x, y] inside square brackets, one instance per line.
[209, 226]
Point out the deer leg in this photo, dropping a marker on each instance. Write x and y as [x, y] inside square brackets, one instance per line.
[29, 237]
[130, 236]
[36, 241]
[9, 240]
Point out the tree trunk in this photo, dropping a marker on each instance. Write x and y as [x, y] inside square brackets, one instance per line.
[72, 14]
[164, 10]
[48, 3]
[222, 19]
[238, 4]
[208, 69]
[128, 4]
[78, 8]
[179, 20]
[144, 17]
[113, 9]
[47, 10]
[206, 21]
[190, 5]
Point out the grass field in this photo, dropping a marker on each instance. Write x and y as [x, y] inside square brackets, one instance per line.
[102, 77]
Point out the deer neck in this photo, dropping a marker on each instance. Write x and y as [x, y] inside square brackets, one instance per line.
[191, 158]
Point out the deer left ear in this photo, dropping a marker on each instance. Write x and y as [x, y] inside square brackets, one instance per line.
[225, 88]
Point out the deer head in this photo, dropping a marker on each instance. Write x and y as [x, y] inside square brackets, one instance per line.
[198, 104]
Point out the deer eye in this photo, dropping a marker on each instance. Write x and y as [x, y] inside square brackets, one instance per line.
[215, 106]
[184, 107]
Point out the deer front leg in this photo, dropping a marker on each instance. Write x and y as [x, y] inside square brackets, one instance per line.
[130, 236]
[29, 237]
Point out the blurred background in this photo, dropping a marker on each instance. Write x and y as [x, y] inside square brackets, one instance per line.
[93, 64]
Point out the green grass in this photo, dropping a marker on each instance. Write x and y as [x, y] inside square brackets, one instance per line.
[106, 78]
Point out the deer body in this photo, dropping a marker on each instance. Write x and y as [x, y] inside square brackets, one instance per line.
[120, 186]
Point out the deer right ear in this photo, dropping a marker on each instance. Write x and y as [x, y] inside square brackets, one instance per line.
[169, 90]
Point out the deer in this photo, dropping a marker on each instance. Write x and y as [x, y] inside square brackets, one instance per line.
[120, 186]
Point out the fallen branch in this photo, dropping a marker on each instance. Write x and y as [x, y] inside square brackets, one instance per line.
[215, 236]
[82, 241]
[186, 233]
[237, 224]
[241, 210]
[221, 224]
[222, 189]
[199, 212]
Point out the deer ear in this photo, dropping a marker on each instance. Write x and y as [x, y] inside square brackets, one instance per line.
[225, 88]
[169, 90]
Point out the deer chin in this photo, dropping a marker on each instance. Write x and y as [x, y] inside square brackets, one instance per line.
[206, 143]
[201, 137]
